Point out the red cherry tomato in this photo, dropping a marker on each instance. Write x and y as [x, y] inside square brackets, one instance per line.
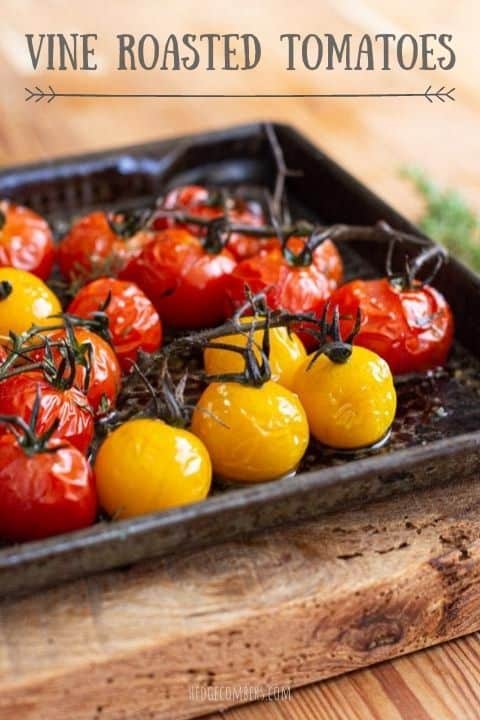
[133, 321]
[91, 353]
[43, 493]
[186, 283]
[199, 201]
[26, 241]
[412, 329]
[289, 287]
[92, 243]
[70, 406]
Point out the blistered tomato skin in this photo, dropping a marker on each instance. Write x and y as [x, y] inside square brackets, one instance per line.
[411, 329]
[198, 201]
[94, 353]
[286, 354]
[298, 289]
[186, 284]
[133, 321]
[348, 405]
[252, 434]
[76, 424]
[25, 300]
[91, 243]
[26, 241]
[45, 493]
[146, 466]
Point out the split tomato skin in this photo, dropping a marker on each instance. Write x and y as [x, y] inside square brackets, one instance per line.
[44, 493]
[134, 323]
[146, 466]
[199, 201]
[92, 243]
[70, 407]
[26, 241]
[412, 329]
[92, 352]
[186, 284]
[253, 434]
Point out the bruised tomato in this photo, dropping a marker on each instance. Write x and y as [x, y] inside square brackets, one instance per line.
[93, 243]
[186, 283]
[134, 323]
[43, 492]
[26, 241]
[97, 370]
[68, 406]
[411, 328]
[296, 288]
[209, 204]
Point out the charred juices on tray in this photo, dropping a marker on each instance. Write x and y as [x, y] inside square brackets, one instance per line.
[182, 355]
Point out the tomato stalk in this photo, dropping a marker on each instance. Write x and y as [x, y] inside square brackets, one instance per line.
[408, 279]
[127, 223]
[332, 345]
[27, 436]
[6, 289]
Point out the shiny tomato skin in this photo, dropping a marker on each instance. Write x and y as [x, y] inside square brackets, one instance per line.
[91, 243]
[46, 493]
[411, 329]
[133, 321]
[298, 289]
[105, 372]
[26, 241]
[196, 200]
[186, 284]
[70, 407]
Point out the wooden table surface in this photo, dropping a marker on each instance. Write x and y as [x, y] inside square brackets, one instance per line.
[372, 138]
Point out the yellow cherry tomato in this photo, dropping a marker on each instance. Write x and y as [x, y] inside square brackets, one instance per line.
[25, 300]
[349, 405]
[252, 434]
[145, 465]
[286, 354]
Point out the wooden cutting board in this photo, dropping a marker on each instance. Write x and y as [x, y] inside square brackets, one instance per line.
[283, 608]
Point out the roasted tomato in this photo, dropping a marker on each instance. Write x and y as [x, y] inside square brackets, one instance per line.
[68, 406]
[26, 241]
[145, 465]
[350, 402]
[296, 288]
[185, 282]
[46, 488]
[209, 204]
[252, 434]
[93, 244]
[97, 370]
[412, 328]
[24, 301]
[134, 323]
[286, 353]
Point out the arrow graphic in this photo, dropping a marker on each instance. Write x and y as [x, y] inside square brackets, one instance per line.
[37, 94]
[440, 94]
[40, 94]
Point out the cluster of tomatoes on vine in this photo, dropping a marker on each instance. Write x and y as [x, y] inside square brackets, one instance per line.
[254, 295]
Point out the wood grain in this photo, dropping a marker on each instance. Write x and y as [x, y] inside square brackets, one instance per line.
[279, 609]
[57, 648]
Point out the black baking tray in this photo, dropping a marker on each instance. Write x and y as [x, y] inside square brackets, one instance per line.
[436, 437]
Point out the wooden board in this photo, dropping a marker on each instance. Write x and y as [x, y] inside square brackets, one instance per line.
[89, 625]
[283, 608]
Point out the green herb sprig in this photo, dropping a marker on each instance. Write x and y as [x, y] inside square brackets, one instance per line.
[447, 218]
